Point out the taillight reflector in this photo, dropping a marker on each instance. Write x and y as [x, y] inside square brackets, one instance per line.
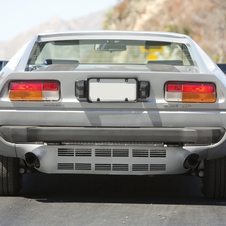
[53, 86]
[190, 92]
[34, 90]
[174, 87]
[198, 88]
[26, 86]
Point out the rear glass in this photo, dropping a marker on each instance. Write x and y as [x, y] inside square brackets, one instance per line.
[222, 67]
[68, 55]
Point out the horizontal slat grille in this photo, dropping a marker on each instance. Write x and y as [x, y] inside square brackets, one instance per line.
[82, 166]
[103, 167]
[140, 153]
[130, 160]
[140, 167]
[65, 152]
[103, 152]
[83, 152]
[120, 167]
[157, 167]
[120, 152]
[65, 166]
[111, 167]
[157, 153]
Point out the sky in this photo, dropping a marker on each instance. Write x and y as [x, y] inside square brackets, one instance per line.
[17, 16]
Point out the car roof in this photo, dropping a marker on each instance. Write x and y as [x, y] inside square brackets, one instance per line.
[65, 35]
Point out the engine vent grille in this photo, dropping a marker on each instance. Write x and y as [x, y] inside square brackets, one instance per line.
[103, 167]
[111, 159]
[157, 153]
[65, 152]
[83, 152]
[103, 152]
[140, 153]
[120, 152]
[140, 167]
[82, 166]
[157, 167]
[120, 167]
[65, 166]
[113, 167]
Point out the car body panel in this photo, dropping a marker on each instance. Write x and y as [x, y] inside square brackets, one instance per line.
[153, 112]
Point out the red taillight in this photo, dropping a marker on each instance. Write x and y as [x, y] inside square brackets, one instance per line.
[34, 90]
[198, 88]
[25, 86]
[53, 86]
[190, 92]
[174, 87]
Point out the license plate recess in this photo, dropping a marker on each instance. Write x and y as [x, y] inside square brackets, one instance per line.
[112, 90]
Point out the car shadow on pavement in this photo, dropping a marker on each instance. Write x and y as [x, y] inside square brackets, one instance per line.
[184, 190]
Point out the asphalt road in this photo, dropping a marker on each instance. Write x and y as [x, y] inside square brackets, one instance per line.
[110, 200]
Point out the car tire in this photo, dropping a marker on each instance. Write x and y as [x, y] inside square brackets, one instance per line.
[214, 180]
[10, 178]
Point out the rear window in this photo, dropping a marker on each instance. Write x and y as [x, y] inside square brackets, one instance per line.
[222, 67]
[71, 54]
[3, 64]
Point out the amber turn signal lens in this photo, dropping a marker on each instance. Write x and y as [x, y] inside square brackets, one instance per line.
[198, 97]
[18, 95]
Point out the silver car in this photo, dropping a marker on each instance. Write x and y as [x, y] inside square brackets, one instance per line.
[113, 102]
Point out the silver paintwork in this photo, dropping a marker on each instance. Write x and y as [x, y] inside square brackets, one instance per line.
[154, 111]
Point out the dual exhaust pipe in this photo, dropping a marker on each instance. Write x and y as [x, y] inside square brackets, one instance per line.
[191, 162]
[32, 160]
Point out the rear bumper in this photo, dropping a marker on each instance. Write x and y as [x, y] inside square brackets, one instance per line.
[128, 151]
[199, 135]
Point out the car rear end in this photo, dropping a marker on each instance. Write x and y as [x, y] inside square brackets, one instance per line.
[133, 103]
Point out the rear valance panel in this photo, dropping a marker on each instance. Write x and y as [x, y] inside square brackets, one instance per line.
[203, 135]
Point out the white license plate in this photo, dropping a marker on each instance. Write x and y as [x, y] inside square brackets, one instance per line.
[112, 90]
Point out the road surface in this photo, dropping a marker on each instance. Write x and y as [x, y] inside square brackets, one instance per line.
[85, 200]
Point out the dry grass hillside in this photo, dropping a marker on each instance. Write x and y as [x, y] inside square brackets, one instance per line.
[91, 22]
[204, 21]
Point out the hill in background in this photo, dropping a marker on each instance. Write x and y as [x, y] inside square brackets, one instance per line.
[204, 21]
[91, 22]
